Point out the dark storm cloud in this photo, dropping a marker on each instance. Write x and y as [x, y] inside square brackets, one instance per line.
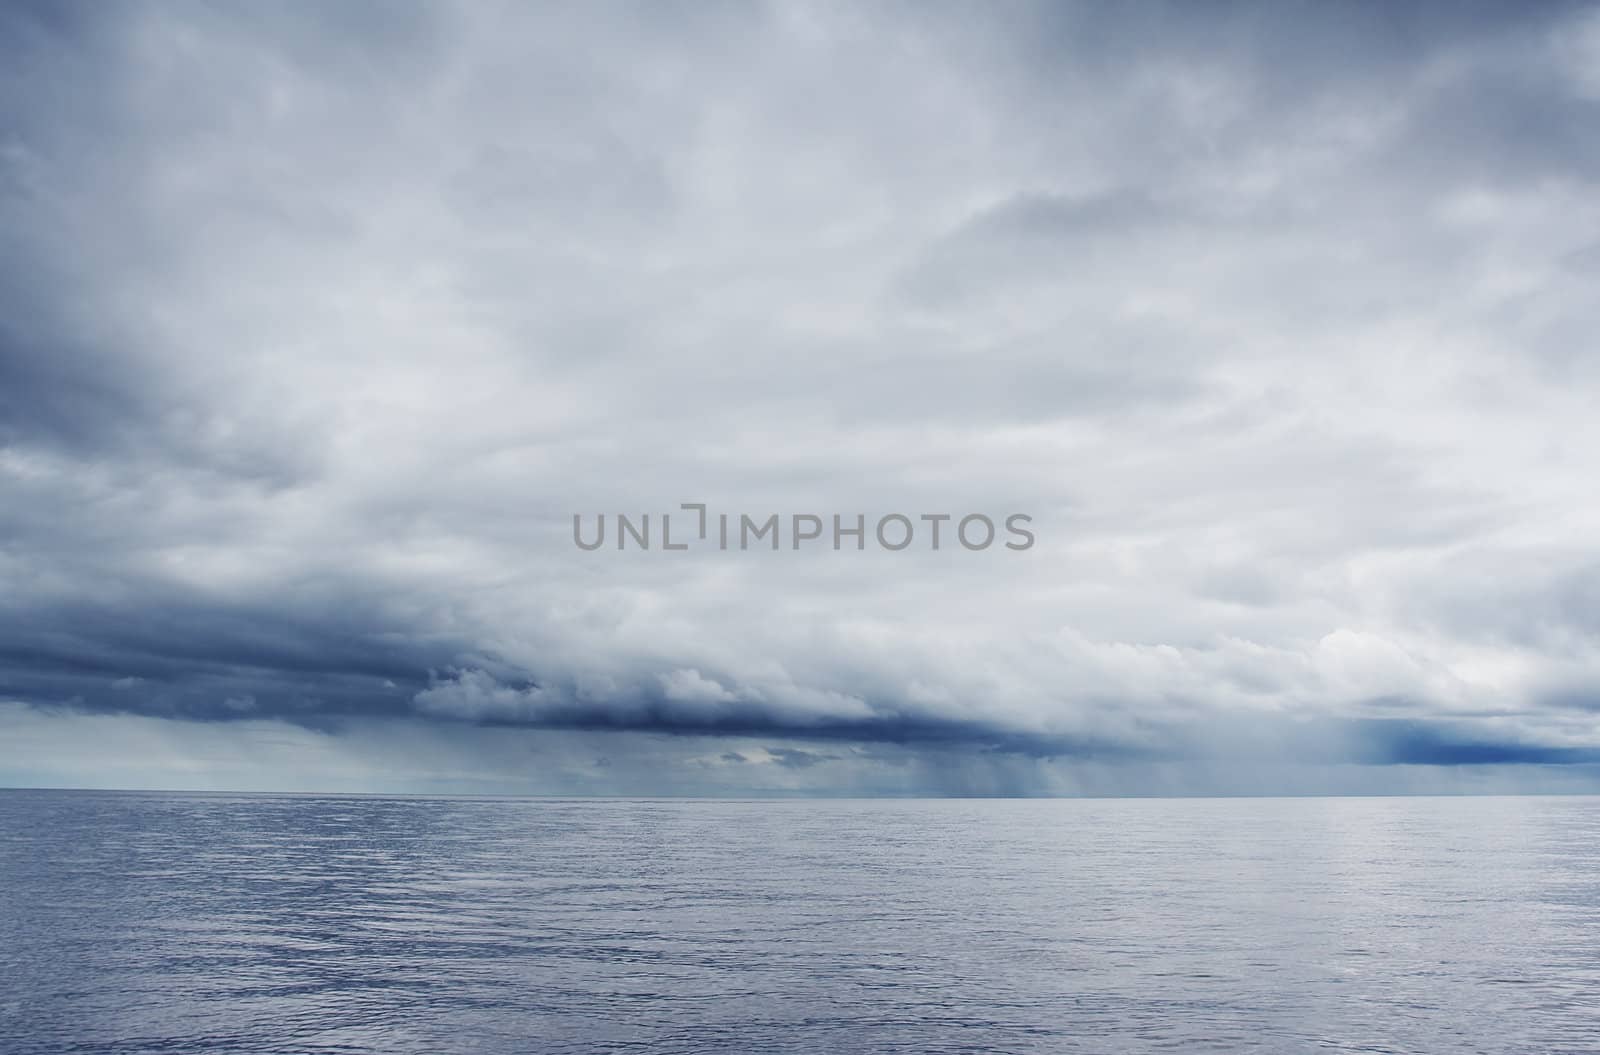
[318, 322]
[1419, 743]
[184, 655]
[474, 696]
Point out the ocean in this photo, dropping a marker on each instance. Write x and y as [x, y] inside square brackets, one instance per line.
[160, 922]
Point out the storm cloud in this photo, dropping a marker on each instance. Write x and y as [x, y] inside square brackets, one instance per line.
[318, 324]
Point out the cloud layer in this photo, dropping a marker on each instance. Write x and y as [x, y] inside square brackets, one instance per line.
[318, 324]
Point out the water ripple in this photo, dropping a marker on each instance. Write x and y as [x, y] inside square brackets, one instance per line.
[256, 924]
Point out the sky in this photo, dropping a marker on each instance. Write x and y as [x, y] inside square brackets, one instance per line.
[320, 323]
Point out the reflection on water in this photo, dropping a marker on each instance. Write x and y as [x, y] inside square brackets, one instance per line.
[217, 924]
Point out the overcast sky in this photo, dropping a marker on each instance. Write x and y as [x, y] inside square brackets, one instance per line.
[319, 322]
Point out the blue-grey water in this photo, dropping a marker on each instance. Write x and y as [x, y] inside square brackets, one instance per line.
[210, 923]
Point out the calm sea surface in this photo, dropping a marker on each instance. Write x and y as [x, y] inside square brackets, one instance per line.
[217, 924]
